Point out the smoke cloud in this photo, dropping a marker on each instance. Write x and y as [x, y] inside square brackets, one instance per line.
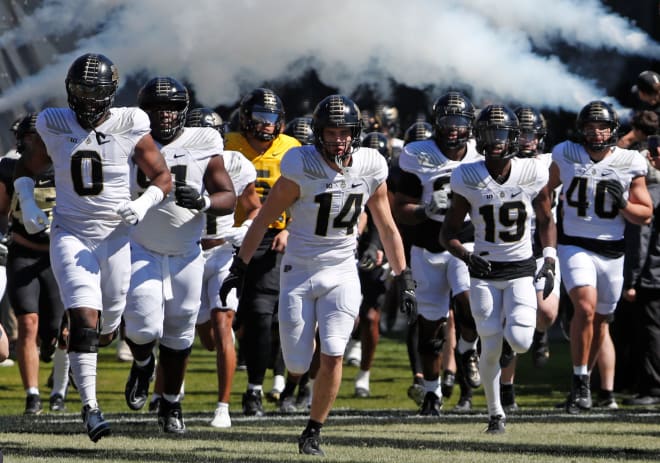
[224, 48]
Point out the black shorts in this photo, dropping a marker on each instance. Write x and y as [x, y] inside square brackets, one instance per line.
[373, 290]
[32, 288]
[262, 279]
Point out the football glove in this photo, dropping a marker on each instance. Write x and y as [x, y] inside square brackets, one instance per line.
[439, 202]
[131, 212]
[35, 220]
[189, 198]
[548, 272]
[477, 265]
[235, 235]
[615, 190]
[233, 280]
[369, 259]
[405, 290]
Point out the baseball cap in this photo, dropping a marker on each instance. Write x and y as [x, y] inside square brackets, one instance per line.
[647, 82]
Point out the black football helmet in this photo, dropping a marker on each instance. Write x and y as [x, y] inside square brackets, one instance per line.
[205, 117]
[380, 142]
[417, 132]
[261, 106]
[597, 111]
[497, 129]
[389, 118]
[165, 100]
[532, 128]
[300, 128]
[28, 124]
[453, 111]
[91, 85]
[337, 111]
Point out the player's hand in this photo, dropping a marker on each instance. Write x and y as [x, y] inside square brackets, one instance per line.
[439, 202]
[34, 219]
[615, 190]
[235, 235]
[405, 290]
[233, 280]
[477, 265]
[188, 197]
[128, 214]
[370, 259]
[548, 272]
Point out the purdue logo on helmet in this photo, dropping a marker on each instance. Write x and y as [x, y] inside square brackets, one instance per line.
[452, 112]
[258, 108]
[496, 132]
[300, 128]
[417, 132]
[532, 131]
[380, 142]
[205, 117]
[91, 84]
[337, 111]
[165, 100]
[597, 111]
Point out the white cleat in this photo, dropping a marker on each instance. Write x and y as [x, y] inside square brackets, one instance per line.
[221, 418]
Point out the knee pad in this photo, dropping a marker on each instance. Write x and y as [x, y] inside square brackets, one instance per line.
[84, 340]
[431, 346]
[519, 337]
[173, 353]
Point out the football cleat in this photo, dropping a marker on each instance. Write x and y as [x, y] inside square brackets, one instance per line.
[496, 425]
[33, 405]
[96, 425]
[540, 349]
[304, 397]
[287, 404]
[221, 418]
[252, 405]
[154, 404]
[416, 393]
[310, 444]
[580, 397]
[137, 385]
[469, 363]
[448, 382]
[170, 417]
[57, 403]
[431, 406]
[362, 392]
[463, 405]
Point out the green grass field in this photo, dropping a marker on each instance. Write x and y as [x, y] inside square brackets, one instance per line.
[382, 428]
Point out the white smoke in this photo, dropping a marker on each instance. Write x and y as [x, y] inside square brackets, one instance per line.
[224, 48]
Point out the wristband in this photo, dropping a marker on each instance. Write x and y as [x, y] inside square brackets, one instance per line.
[207, 203]
[550, 252]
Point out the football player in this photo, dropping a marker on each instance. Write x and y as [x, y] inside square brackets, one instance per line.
[167, 265]
[501, 193]
[261, 116]
[32, 289]
[421, 199]
[325, 186]
[602, 187]
[90, 146]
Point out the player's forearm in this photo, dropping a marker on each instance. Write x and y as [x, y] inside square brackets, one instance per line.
[393, 247]
[222, 203]
[253, 238]
[638, 214]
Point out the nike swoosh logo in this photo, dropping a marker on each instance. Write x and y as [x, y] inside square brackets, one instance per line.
[178, 156]
[605, 174]
[42, 182]
[355, 185]
[513, 195]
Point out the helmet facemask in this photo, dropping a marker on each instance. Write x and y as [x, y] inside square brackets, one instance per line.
[167, 120]
[90, 102]
[452, 132]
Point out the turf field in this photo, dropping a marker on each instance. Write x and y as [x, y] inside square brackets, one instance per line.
[382, 428]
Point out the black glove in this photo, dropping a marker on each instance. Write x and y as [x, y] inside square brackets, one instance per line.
[547, 272]
[369, 258]
[188, 197]
[233, 280]
[477, 265]
[615, 190]
[405, 290]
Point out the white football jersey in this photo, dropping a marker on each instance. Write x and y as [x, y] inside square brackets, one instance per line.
[168, 228]
[425, 160]
[501, 213]
[91, 167]
[324, 217]
[242, 172]
[587, 211]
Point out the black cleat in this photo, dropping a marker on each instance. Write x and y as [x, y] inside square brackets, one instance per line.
[469, 362]
[496, 425]
[310, 444]
[57, 403]
[416, 393]
[252, 405]
[154, 405]
[431, 406]
[33, 405]
[362, 393]
[96, 425]
[137, 385]
[170, 417]
[540, 349]
[463, 405]
[448, 383]
[287, 404]
[303, 397]
[579, 399]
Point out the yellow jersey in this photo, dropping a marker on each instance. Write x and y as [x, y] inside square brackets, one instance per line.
[267, 165]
